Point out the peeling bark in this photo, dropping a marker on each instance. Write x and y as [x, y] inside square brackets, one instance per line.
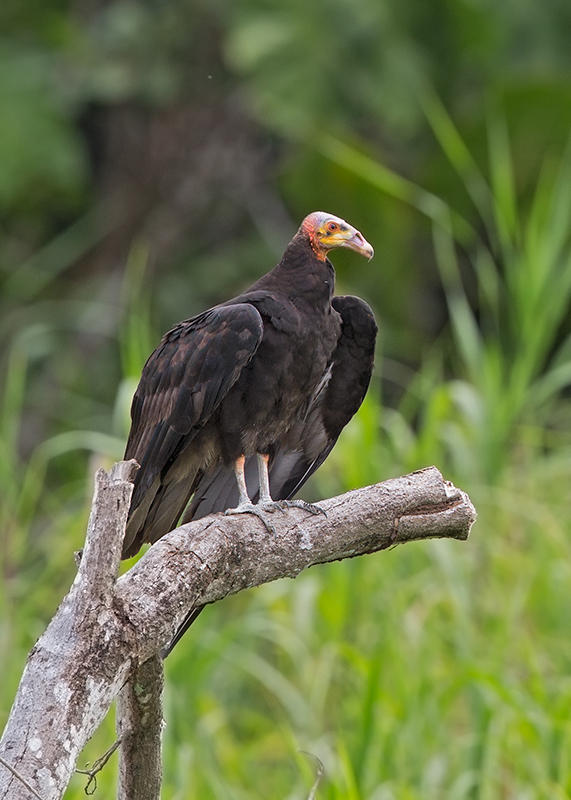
[106, 628]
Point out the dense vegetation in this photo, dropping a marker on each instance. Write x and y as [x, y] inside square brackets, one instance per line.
[155, 158]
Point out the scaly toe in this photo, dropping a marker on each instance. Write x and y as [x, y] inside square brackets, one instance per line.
[311, 508]
[270, 505]
[250, 508]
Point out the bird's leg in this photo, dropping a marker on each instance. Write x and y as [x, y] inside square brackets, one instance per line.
[266, 501]
[245, 505]
[243, 500]
[265, 496]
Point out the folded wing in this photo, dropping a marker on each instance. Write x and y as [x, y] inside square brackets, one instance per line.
[306, 446]
[182, 385]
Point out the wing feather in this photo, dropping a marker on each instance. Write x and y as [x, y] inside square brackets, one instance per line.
[307, 446]
[182, 385]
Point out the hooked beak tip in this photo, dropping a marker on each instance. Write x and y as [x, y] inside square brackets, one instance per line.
[358, 243]
[362, 246]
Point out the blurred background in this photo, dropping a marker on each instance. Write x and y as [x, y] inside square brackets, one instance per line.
[155, 159]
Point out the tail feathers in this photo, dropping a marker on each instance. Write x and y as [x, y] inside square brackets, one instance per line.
[181, 630]
[135, 530]
[218, 490]
[165, 511]
[158, 513]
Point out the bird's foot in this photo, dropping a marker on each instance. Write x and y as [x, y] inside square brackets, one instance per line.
[256, 510]
[269, 506]
[311, 508]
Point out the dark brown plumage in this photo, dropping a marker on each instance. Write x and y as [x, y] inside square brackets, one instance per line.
[260, 385]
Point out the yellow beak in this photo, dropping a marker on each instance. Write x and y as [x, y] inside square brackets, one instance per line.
[351, 238]
[359, 244]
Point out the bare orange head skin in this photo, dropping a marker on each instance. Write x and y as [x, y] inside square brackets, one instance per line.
[326, 231]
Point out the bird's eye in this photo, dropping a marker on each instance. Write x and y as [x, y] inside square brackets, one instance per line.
[331, 226]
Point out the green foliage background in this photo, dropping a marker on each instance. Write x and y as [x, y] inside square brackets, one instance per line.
[154, 159]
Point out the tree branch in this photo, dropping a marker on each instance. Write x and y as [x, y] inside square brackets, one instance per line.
[139, 727]
[96, 767]
[106, 628]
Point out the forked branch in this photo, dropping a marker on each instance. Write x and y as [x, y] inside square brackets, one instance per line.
[106, 628]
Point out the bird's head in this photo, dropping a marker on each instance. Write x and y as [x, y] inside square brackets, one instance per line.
[326, 231]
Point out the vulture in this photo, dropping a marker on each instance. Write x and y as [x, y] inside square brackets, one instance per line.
[240, 404]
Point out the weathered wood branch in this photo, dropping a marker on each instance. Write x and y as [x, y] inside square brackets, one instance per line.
[106, 628]
[139, 728]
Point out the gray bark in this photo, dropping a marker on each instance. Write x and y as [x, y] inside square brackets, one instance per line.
[139, 729]
[107, 627]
